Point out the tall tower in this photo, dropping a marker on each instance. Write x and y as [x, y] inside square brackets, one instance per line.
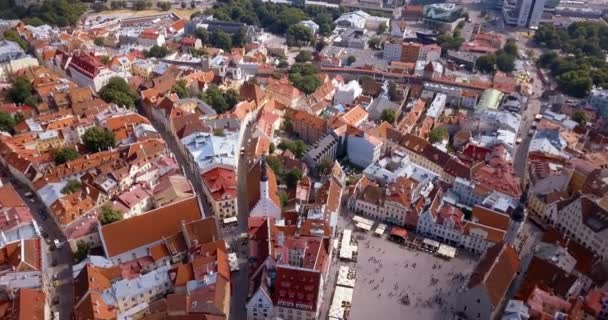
[523, 13]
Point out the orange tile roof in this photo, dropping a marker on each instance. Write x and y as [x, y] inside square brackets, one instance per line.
[490, 218]
[163, 222]
[495, 271]
[354, 116]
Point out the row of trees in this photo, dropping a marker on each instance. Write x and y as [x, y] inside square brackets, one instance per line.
[220, 39]
[277, 18]
[60, 13]
[156, 51]
[578, 61]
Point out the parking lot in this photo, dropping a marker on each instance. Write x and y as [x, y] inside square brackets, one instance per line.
[389, 274]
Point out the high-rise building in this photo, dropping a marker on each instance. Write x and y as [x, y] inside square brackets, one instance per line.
[523, 13]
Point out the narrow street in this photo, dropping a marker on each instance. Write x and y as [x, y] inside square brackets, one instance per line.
[240, 279]
[62, 257]
[189, 170]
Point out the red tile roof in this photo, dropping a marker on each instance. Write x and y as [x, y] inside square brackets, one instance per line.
[220, 183]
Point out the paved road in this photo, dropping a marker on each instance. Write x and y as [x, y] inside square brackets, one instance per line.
[240, 279]
[61, 298]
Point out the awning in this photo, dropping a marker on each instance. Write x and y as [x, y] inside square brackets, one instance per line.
[399, 232]
[363, 226]
[431, 243]
[446, 251]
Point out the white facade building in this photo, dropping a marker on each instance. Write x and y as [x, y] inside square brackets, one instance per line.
[363, 151]
[346, 94]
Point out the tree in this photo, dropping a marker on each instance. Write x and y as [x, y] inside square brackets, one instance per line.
[109, 215]
[65, 154]
[450, 42]
[350, 60]
[221, 39]
[320, 45]
[82, 251]
[375, 43]
[7, 122]
[219, 132]
[323, 167]
[99, 41]
[297, 147]
[511, 48]
[438, 134]
[486, 63]
[276, 165]
[381, 28]
[284, 198]
[184, 5]
[394, 93]
[292, 177]
[165, 6]
[117, 91]
[282, 64]
[505, 62]
[21, 90]
[13, 36]
[303, 56]
[157, 52]
[388, 115]
[71, 187]
[576, 83]
[140, 5]
[115, 5]
[220, 101]
[579, 117]
[202, 34]
[96, 139]
[287, 17]
[326, 24]
[180, 88]
[304, 77]
[61, 13]
[271, 148]
[298, 35]
[239, 39]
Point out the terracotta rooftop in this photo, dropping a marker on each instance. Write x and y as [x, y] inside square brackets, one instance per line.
[495, 272]
[220, 183]
[153, 226]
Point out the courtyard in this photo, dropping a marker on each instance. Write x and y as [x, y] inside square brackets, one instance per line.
[394, 281]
